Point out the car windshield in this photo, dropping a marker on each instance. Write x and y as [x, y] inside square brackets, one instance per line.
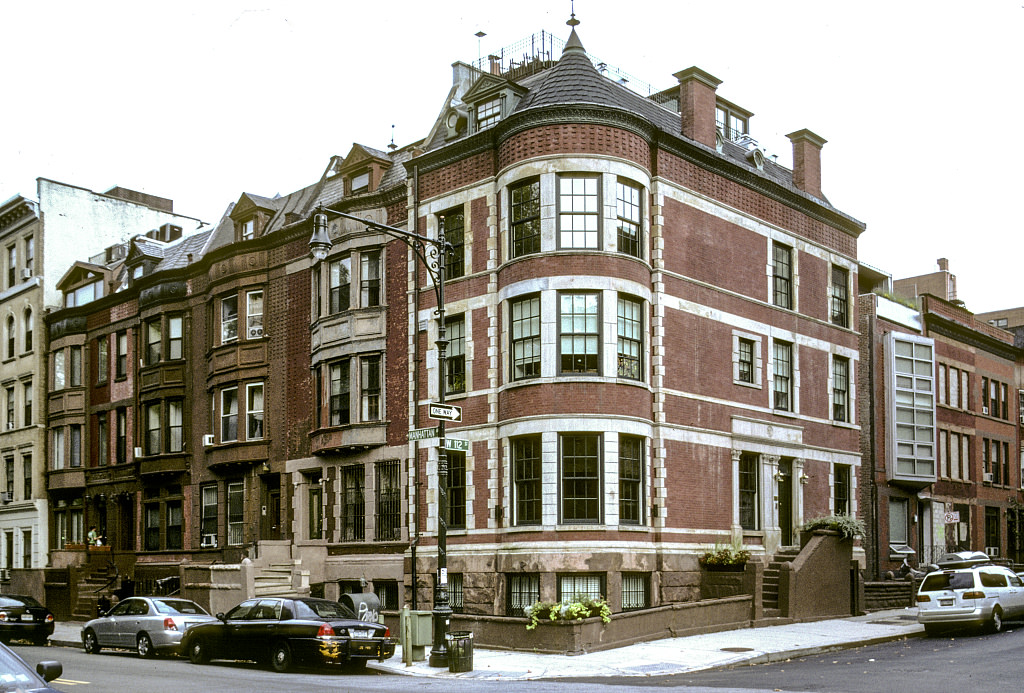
[177, 606]
[15, 674]
[321, 609]
[12, 600]
[936, 582]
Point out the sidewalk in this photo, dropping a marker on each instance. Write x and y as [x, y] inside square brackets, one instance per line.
[658, 657]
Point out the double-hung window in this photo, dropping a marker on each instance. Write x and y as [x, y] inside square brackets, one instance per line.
[840, 389]
[228, 319]
[26, 400]
[208, 517]
[153, 342]
[525, 318]
[229, 414]
[525, 217]
[75, 444]
[841, 490]
[748, 496]
[630, 221]
[488, 113]
[745, 360]
[59, 375]
[175, 429]
[631, 466]
[579, 332]
[455, 361]
[369, 384]
[782, 275]
[457, 490]
[339, 274]
[578, 212]
[58, 448]
[236, 513]
[121, 369]
[839, 313]
[388, 521]
[353, 505]
[455, 235]
[527, 485]
[254, 314]
[630, 340]
[782, 368]
[369, 278]
[175, 338]
[152, 422]
[29, 328]
[254, 411]
[340, 392]
[580, 478]
[75, 366]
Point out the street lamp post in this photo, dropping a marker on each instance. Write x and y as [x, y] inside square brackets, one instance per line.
[433, 253]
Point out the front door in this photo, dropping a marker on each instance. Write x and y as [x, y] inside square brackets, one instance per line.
[786, 501]
[270, 528]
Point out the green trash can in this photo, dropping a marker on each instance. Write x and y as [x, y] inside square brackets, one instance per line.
[460, 651]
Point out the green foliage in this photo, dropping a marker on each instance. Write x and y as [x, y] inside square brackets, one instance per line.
[577, 609]
[724, 555]
[847, 525]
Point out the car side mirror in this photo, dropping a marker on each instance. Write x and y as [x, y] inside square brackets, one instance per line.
[49, 670]
[222, 617]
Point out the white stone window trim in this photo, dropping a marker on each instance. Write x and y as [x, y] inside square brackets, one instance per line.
[758, 383]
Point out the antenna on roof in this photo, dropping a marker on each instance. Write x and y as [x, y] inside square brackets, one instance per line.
[392, 146]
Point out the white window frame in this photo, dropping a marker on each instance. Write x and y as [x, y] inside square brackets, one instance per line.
[254, 413]
[254, 314]
[758, 363]
[228, 321]
[226, 413]
[579, 211]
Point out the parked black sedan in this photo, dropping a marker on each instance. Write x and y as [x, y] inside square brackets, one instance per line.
[23, 618]
[286, 631]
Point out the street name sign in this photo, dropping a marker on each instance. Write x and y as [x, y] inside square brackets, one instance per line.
[445, 412]
[456, 445]
[423, 433]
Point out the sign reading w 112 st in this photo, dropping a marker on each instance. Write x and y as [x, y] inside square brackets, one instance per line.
[446, 412]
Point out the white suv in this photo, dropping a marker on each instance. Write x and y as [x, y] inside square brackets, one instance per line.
[980, 595]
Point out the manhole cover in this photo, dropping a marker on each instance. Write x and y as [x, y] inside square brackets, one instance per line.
[737, 649]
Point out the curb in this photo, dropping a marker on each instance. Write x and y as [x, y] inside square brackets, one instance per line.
[782, 656]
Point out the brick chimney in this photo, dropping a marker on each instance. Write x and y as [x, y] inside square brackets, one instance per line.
[807, 161]
[697, 104]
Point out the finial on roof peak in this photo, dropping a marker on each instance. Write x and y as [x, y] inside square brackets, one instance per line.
[574, 40]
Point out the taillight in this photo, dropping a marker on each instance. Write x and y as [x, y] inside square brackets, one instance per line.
[169, 624]
[974, 594]
[923, 598]
[49, 618]
[325, 631]
[3, 615]
[387, 632]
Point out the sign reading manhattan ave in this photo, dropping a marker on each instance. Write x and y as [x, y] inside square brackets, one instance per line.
[423, 433]
[446, 412]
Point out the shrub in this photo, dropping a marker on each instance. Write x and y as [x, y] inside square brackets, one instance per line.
[847, 525]
[724, 555]
[574, 610]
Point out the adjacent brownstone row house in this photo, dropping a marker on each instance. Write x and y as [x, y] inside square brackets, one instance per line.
[652, 338]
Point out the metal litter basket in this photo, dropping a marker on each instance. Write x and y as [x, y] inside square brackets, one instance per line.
[460, 651]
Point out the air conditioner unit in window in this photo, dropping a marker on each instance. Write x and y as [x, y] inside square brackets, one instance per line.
[1022, 419]
[138, 452]
[208, 439]
[984, 410]
[10, 425]
[987, 477]
[255, 332]
[992, 550]
[26, 273]
[209, 541]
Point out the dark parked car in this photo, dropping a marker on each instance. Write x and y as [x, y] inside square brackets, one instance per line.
[23, 618]
[17, 676]
[146, 624]
[286, 631]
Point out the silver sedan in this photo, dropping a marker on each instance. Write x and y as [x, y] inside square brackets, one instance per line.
[147, 625]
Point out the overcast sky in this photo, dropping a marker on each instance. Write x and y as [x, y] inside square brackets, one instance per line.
[920, 101]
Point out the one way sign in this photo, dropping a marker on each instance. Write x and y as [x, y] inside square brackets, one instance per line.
[446, 412]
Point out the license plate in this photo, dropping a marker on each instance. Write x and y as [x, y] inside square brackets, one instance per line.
[363, 647]
[26, 617]
[945, 602]
[360, 633]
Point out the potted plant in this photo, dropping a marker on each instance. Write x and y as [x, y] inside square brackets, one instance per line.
[846, 526]
[725, 558]
[572, 610]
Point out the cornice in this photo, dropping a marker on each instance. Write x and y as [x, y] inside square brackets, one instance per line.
[166, 291]
[948, 328]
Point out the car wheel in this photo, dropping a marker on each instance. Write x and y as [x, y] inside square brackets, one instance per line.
[931, 629]
[144, 646]
[197, 652]
[40, 640]
[281, 656]
[92, 645]
[995, 624]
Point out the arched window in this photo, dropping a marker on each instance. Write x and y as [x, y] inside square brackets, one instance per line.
[28, 329]
[10, 336]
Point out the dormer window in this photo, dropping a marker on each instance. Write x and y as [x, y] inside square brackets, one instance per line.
[732, 121]
[84, 294]
[488, 113]
[249, 230]
[360, 183]
[138, 271]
